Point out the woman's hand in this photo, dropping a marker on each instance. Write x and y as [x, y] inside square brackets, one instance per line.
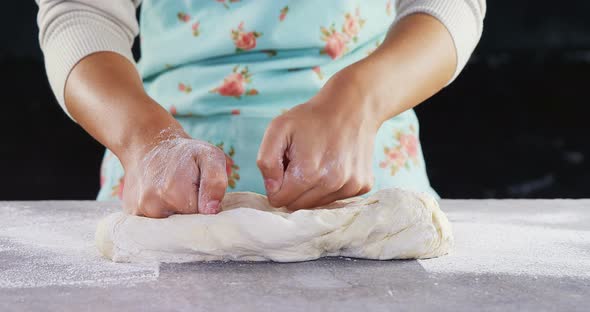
[176, 174]
[166, 171]
[321, 151]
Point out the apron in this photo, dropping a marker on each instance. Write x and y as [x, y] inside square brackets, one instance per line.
[225, 69]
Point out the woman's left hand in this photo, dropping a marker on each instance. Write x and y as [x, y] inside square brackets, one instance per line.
[322, 150]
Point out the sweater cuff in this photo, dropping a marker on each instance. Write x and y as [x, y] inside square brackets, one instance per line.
[460, 19]
[75, 35]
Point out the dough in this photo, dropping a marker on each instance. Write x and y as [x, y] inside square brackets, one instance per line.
[390, 224]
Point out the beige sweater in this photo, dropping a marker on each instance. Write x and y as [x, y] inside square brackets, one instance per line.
[70, 30]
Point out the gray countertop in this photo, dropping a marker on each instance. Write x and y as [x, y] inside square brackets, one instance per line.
[509, 255]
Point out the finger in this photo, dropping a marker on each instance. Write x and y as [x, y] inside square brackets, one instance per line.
[367, 184]
[193, 197]
[271, 155]
[346, 191]
[213, 182]
[317, 195]
[365, 189]
[151, 206]
[182, 191]
[297, 181]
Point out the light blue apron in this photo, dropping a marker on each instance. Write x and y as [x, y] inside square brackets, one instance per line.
[225, 69]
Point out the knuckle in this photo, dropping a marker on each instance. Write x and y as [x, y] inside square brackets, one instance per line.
[216, 181]
[355, 182]
[157, 213]
[131, 208]
[332, 184]
[350, 189]
[311, 178]
[210, 149]
[305, 175]
[275, 202]
[370, 183]
[279, 122]
[163, 190]
[215, 154]
[364, 190]
[149, 194]
[189, 209]
[264, 163]
[294, 207]
[152, 208]
[279, 200]
[218, 153]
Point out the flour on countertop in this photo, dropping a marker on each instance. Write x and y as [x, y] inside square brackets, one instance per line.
[52, 243]
[536, 239]
[55, 247]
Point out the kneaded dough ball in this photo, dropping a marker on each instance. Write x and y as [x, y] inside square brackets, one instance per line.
[390, 224]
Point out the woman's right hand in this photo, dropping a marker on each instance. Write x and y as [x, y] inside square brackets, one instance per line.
[166, 171]
[174, 175]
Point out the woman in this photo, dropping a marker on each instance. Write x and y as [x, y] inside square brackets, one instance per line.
[318, 94]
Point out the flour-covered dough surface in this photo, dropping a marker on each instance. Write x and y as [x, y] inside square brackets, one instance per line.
[390, 224]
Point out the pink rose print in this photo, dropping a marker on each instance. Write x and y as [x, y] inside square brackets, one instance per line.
[389, 7]
[195, 27]
[409, 143]
[283, 14]
[102, 169]
[227, 2]
[173, 110]
[184, 88]
[394, 157]
[318, 71]
[337, 42]
[117, 190]
[235, 84]
[235, 111]
[230, 167]
[183, 17]
[244, 40]
[352, 25]
[399, 156]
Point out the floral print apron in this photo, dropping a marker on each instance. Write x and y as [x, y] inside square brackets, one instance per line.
[226, 68]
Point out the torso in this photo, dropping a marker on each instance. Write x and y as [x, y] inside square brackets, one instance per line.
[225, 82]
[210, 57]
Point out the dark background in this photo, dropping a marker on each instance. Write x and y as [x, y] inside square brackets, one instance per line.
[514, 124]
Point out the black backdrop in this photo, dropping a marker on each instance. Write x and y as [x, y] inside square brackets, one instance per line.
[514, 124]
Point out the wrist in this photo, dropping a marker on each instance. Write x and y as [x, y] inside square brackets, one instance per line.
[349, 96]
[382, 87]
[147, 129]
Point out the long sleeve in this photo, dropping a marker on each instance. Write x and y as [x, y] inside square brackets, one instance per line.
[462, 18]
[70, 30]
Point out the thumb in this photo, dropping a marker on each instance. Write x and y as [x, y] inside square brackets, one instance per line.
[271, 154]
[212, 184]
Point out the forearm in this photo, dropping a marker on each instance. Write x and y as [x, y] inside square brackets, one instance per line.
[105, 95]
[416, 60]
